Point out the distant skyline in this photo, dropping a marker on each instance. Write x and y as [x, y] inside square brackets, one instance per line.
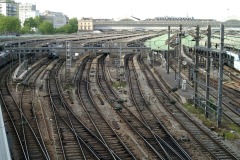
[204, 9]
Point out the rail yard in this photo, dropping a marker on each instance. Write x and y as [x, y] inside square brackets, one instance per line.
[109, 96]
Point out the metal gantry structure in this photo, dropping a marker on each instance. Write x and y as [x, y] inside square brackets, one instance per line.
[207, 53]
[68, 60]
[217, 55]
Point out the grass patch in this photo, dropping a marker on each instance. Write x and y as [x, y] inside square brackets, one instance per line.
[228, 131]
[67, 87]
[228, 134]
[190, 108]
[234, 127]
[118, 84]
[207, 122]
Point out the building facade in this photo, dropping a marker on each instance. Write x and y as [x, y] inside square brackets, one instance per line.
[58, 19]
[85, 24]
[27, 10]
[9, 8]
[158, 23]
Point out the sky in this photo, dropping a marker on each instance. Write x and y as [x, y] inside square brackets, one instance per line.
[203, 9]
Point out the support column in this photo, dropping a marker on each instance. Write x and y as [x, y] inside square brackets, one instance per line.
[208, 60]
[220, 78]
[167, 66]
[179, 57]
[196, 69]
[19, 54]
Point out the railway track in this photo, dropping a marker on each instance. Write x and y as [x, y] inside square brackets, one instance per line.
[211, 143]
[103, 129]
[34, 140]
[32, 145]
[230, 92]
[12, 119]
[171, 149]
[230, 105]
[233, 74]
[68, 143]
[136, 125]
[91, 144]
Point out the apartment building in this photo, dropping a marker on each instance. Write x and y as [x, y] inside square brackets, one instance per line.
[9, 8]
[27, 10]
[58, 19]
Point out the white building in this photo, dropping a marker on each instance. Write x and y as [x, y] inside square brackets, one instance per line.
[9, 8]
[58, 19]
[85, 24]
[27, 10]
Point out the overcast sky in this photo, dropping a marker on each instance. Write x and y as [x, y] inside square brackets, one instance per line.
[211, 9]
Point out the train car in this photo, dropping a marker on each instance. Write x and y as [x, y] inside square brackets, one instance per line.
[1, 48]
[52, 52]
[4, 58]
[53, 55]
[233, 60]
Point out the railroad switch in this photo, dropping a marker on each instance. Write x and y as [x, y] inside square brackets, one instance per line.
[172, 102]
[121, 101]
[185, 138]
[118, 108]
[173, 89]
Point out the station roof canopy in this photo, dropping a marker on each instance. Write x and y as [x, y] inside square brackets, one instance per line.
[128, 18]
[232, 19]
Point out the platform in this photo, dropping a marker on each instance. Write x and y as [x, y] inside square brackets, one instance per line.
[4, 148]
[172, 81]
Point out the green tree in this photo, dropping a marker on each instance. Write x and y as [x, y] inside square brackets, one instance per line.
[9, 25]
[30, 22]
[71, 27]
[13, 24]
[2, 23]
[73, 22]
[68, 28]
[61, 29]
[26, 29]
[29, 25]
[38, 21]
[9, 1]
[46, 28]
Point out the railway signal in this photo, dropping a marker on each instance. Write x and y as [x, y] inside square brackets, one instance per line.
[68, 60]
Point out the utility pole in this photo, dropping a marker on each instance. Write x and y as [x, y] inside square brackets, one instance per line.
[167, 67]
[19, 53]
[179, 57]
[120, 65]
[208, 71]
[220, 78]
[196, 69]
